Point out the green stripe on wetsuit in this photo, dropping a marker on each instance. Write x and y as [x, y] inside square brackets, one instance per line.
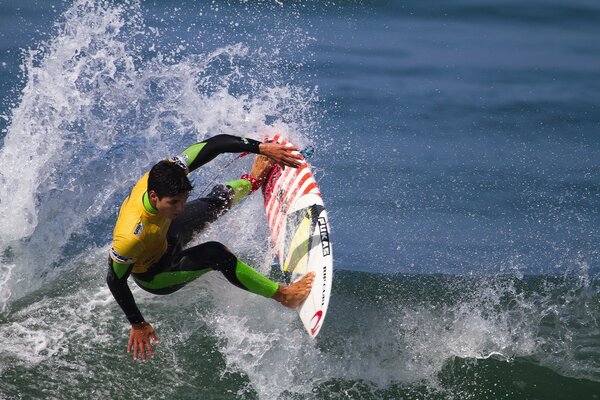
[241, 188]
[120, 269]
[147, 205]
[173, 278]
[255, 282]
[193, 151]
[248, 277]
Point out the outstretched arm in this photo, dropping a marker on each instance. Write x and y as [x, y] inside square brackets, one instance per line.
[141, 331]
[201, 153]
[116, 279]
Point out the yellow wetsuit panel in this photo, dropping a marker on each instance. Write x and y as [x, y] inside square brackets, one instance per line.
[139, 237]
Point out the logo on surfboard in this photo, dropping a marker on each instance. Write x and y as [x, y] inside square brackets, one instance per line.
[324, 236]
[315, 325]
[324, 292]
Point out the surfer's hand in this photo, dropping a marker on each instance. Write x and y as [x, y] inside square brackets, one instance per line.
[139, 340]
[281, 154]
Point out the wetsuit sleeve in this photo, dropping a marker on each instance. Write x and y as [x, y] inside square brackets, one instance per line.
[200, 153]
[240, 188]
[116, 279]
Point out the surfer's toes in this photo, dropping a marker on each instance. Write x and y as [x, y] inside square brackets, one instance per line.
[292, 296]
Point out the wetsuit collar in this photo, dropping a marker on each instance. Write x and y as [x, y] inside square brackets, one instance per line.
[147, 205]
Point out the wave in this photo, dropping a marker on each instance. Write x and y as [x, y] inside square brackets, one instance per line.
[103, 101]
[109, 94]
[414, 336]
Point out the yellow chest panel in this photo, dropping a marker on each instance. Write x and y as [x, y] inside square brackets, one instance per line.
[139, 237]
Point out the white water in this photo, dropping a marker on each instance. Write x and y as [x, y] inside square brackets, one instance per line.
[99, 106]
[98, 109]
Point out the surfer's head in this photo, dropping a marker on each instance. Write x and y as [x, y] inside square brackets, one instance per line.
[168, 188]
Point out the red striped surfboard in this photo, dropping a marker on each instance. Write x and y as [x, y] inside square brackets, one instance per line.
[300, 233]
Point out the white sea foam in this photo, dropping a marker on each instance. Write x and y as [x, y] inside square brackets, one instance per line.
[96, 111]
[266, 342]
[50, 326]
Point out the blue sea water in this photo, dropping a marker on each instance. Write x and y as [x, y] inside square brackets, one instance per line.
[457, 150]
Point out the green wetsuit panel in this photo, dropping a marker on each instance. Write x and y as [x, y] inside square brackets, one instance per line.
[249, 279]
[255, 282]
[120, 269]
[192, 152]
[241, 188]
[169, 279]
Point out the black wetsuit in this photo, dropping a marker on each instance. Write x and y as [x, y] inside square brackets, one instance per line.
[149, 247]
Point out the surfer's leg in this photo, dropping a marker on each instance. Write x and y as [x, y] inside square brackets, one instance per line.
[194, 262]
[213, 256]
[202, 211]
[199, 213]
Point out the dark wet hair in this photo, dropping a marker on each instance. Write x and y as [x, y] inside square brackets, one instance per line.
[168, 179]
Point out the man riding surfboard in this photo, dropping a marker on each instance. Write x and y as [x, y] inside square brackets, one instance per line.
[155, 222]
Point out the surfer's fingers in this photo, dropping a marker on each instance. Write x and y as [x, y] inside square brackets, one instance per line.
[282, 163]
[295, 164]
[292, 160]
[130, 344]
[293, 154]
[142, 350]
[135, 351]
[150, 348]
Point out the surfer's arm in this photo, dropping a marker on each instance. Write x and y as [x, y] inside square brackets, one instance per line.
[116, 279]
[142, 334]
[248, 183]
[252, 181]
[201, 153]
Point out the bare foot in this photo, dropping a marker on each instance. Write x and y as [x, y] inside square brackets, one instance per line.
[292, 296]
[261, 168]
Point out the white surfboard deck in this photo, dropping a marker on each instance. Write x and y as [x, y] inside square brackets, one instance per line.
[300, 233]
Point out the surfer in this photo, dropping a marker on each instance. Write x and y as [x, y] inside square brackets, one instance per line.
[155, 221]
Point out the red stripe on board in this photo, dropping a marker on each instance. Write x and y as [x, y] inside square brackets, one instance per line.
[268, 187]
[278, 192]
[309, 188]
[288, 200]
[292, 185]
[287, 176]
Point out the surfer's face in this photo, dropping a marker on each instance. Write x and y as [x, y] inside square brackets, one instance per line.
[169, 206]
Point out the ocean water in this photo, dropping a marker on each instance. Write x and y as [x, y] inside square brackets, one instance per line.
[457, 150]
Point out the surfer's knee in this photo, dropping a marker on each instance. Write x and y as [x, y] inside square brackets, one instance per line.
[210, 254]
[217, 249]
[223, 258]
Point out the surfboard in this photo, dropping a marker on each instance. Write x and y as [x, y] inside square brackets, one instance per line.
[299, 230]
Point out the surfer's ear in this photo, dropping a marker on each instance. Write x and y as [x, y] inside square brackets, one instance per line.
[153, 196]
